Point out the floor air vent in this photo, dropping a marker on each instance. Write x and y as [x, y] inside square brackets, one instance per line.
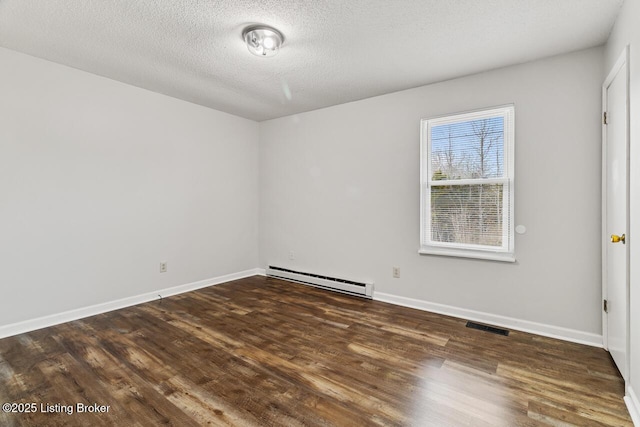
[493, 330]
[361, 289]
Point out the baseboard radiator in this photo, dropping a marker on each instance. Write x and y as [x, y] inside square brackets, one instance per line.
[361, 289]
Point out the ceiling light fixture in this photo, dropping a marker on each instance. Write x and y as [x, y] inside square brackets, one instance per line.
[262, 40]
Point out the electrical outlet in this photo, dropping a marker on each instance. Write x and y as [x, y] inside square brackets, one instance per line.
[292, 255]
[396, 272]
[163, 267]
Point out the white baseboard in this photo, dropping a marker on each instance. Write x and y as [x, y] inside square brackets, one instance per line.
[633, 405]
[79, 313]
[506, 322]
[565, 334]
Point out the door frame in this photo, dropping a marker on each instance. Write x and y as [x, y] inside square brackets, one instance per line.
[622, 61]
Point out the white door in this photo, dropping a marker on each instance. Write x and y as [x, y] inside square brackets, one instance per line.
[615, 249]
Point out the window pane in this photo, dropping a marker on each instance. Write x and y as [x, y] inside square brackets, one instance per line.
[467, 214]
[468, 149]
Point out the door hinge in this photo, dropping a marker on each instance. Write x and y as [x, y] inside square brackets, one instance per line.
[605, 306]
[604, 118]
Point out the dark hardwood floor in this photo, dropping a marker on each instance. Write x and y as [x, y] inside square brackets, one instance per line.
[263, 352]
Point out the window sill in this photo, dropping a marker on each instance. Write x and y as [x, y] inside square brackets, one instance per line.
[491, 256]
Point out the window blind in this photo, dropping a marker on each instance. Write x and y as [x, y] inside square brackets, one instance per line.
[468, 181]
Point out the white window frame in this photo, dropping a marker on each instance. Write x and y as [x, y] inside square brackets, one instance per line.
[429, 247]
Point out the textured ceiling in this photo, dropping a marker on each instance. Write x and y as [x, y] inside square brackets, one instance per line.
[335, 51]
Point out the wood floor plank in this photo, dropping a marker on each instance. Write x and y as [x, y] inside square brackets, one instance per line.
[264, 352]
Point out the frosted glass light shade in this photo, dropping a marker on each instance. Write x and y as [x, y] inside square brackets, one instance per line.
[262, 40]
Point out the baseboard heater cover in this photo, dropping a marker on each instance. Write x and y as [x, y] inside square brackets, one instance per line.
[361, 289]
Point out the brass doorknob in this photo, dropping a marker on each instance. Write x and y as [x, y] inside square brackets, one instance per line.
[615, 238]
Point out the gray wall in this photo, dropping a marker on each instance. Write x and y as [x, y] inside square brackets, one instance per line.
[339, 187]
[100, 181]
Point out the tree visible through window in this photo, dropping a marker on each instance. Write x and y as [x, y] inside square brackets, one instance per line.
[467, 184]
